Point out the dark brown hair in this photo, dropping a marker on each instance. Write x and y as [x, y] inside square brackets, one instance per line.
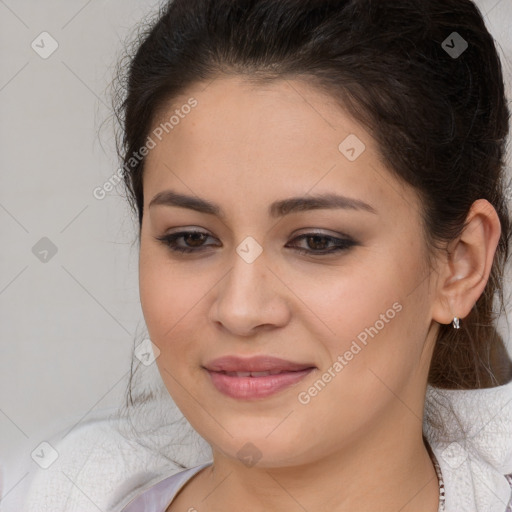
[440, 120]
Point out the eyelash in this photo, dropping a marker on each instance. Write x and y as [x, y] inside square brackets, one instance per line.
[343, 244]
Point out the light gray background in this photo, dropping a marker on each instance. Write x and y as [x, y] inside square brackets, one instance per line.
[67, 326]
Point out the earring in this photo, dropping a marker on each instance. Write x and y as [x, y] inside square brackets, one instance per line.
[456, 323]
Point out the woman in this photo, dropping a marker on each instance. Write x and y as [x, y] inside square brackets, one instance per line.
[323, 221]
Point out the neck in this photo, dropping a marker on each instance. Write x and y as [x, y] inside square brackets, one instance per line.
[385, 474]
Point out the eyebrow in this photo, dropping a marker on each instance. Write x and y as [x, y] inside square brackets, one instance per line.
[277, 209]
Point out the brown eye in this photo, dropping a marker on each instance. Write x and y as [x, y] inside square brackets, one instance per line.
[194, 241]
[318, 244]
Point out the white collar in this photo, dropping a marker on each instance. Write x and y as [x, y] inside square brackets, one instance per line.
[474, 464]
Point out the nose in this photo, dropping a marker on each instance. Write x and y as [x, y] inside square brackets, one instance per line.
[251, 297]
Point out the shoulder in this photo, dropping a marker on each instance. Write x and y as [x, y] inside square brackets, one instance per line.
[91, 468]
[470, 432]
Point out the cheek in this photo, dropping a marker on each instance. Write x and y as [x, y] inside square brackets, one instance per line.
[372, 313]
[166, 296]
[174, 299]
[368, 328]
[349, 300]
[380, 338]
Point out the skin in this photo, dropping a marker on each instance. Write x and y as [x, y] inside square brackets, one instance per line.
[243, 147]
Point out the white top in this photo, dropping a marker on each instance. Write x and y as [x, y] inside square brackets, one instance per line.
[476, 466]
[99, 469]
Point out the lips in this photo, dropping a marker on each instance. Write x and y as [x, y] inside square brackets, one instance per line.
[254, 374]
[256, 377]
[254, 365]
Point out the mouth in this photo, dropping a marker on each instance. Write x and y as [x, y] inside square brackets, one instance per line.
[255, 378]
[254, 374]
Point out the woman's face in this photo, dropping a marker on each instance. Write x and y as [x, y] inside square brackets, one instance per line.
[350, 315]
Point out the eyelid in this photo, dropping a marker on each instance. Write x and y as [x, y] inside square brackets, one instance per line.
[298, 233]
[320, 232]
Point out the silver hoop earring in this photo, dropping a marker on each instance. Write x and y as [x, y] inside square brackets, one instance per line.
[456, 323]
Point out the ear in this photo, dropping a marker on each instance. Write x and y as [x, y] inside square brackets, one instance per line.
[464, 271]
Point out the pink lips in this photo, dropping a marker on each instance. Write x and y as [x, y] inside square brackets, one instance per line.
[255, 377]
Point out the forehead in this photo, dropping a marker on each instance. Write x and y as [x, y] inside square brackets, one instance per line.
[269, 141]
[258, 118]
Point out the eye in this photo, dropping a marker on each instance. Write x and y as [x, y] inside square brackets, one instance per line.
[194, 237]
[319, 243]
